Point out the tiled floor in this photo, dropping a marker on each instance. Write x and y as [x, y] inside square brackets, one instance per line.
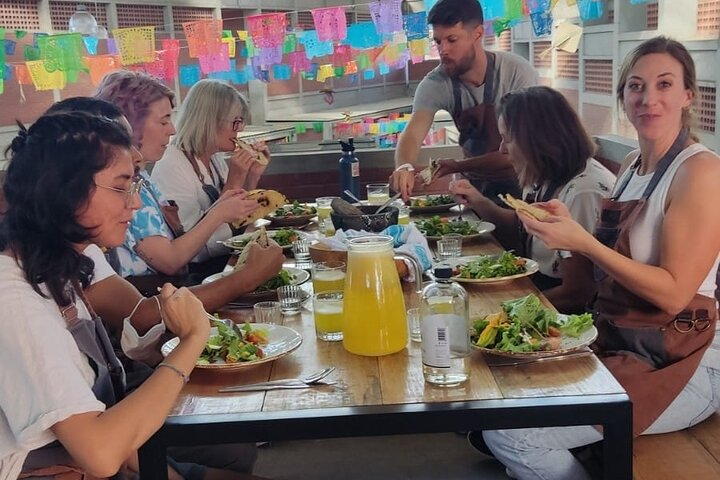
[444, 456]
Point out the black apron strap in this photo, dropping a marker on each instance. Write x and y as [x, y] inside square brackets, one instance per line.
[489, 79]
[660, 169]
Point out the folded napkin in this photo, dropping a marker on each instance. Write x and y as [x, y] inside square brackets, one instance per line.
[406, 239]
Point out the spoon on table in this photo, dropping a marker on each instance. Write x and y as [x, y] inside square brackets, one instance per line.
[352, 195]
[387, 203]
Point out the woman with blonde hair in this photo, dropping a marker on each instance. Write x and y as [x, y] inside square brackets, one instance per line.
[157, 248]
[193, 170]
[656, 252]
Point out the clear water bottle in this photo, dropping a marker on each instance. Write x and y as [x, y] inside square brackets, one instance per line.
[445, 331]
[349, 171]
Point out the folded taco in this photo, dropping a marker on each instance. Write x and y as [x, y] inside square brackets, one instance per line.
[243, 145]
[268, 200]
[524, 207]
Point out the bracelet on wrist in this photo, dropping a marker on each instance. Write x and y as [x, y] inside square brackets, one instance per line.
[408, 167]
[181, 374]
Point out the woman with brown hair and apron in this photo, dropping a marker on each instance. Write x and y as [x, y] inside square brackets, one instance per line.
[656, 255]
[552, 156]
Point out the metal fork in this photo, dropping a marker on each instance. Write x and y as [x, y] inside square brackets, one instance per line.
[305, 382]
[526, 361]
[455, 178]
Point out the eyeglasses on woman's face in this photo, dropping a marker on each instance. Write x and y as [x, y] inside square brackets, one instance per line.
[130, 193]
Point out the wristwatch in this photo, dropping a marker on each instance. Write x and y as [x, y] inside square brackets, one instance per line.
[405, 166]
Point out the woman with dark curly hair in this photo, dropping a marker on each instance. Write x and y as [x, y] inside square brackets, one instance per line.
[71, 183]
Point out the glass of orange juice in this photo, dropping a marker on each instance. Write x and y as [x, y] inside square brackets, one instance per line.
[328, 311]
[328, 276]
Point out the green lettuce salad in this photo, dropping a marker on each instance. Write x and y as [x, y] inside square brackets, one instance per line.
[525, 325]
[231, 346]
[492, 266]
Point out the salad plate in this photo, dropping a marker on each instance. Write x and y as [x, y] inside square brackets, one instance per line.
[567, 345]
[281, 341]
[296, 277]
[490, 264]
[292, 215]
[283, 237]
[431, 204]
[435, 227]
[525, 329]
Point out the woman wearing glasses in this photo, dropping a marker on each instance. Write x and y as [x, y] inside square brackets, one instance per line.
[656, 250]
[74, 172]
[193, 171]
[155, 249]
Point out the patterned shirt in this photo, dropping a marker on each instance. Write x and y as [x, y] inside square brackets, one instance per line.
[147, 222]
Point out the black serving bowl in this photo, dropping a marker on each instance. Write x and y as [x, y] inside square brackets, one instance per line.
[369, 221]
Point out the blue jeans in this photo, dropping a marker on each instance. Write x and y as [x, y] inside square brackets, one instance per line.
[543, 453]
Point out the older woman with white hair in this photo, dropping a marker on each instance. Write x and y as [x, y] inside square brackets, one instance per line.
[191, 172]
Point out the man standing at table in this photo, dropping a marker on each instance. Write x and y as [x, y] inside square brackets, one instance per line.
[468, 83]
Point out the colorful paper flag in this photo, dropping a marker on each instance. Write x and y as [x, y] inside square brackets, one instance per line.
[101, 65]
[43, 79]
[330, 23]
[136, 44]
[386, 15]
[267, 30]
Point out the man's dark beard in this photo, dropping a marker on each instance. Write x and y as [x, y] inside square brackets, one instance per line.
[462, 66]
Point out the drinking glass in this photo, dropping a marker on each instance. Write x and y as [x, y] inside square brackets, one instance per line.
[268, 312]
[413, 317]
[328, 276]
[452, 244]
[403, 215]
[301, 251]
[328, 311]
[448, 248]
[378, 193]
[291, 298]
[324, 207]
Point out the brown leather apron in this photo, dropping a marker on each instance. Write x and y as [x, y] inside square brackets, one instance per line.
[479, 133]
[651, 353]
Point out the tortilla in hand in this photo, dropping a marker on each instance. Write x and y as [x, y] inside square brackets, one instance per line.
[524, 207]
[428, 173]
[269, 201]
[241, 144]
[260, 237]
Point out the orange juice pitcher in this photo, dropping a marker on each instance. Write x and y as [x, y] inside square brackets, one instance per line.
[374, 321]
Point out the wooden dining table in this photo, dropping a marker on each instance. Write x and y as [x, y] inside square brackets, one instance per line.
[387, 395]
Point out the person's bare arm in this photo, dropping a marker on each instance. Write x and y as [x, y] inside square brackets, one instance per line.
[170, 256]
[690, 219]
[411, 138]
[490, 166]
[101, 441]
[407, 151]
[114, 297]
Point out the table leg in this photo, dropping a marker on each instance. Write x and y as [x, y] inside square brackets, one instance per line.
[153, 460]
[618, 445]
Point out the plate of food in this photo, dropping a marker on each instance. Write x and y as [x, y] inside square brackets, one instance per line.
[431, 203]
[230, 349]
[435, 227]
[491, 268]
[283, 237]
[286, 276]
[524, 328]
[292, 215]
